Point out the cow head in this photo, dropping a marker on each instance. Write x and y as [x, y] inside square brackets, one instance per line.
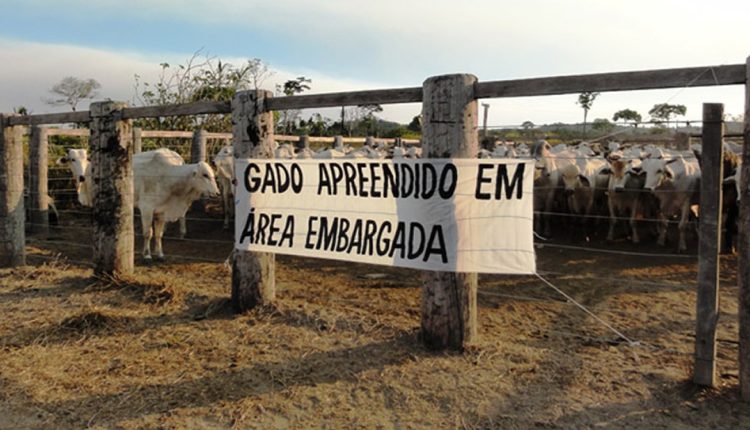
[573, 179]
[78, 162]
[657, 171]
[204, 180]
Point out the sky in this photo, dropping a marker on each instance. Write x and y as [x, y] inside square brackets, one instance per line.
[354, 45]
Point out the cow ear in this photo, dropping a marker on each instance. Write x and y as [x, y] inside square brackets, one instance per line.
[62, 160]
[668, 172]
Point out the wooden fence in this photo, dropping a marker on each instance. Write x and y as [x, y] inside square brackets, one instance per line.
[449, 111]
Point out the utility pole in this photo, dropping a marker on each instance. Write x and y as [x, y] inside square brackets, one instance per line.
[486, 107]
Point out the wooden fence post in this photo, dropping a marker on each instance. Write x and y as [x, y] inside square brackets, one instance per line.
[338, 142]
[253, 273]
[707, 301]
[39, 163]
[12, 216]
[743, 244]
[449, 130]
[137, 140]
[111, 149]
[303, 142]
[198, 148]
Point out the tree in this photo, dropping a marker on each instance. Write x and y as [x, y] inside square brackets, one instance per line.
[663, 112]
[21, 110]
[586, 100]
[200, 78]
[527, 125]
[602, 125]
[627, 115]
[290, 88]
[416, 124]
[71, 90]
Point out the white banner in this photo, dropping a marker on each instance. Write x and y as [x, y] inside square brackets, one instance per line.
[463, 215]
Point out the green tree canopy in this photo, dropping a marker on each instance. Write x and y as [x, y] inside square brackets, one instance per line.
[663, 112]
[627, 115]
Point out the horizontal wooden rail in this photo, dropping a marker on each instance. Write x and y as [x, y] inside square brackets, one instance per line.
[329, 139]
[186, 109]
[620, 81]
[79, 132]
[603, 82]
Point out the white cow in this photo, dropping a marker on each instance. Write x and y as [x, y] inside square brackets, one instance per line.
[674, 181]
[547, 178]
[79, 164]
[164, 192]
[624, 190]
[224, 163]
[77, 161]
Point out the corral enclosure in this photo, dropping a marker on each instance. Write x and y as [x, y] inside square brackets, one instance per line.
[340, 345]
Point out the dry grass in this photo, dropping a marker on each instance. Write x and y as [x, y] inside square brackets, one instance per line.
[163, 349]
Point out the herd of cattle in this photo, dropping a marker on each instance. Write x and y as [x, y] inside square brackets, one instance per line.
[583, 182]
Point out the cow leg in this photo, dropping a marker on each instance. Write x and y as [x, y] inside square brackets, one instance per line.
[634, 221]
[662, 227]
[682, 247]
[183, 227]
[612, 220]
[548, 209]
[146, 221]
[158, 234]
[227, 206]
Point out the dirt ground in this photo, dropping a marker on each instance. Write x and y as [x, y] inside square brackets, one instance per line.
[340, 348]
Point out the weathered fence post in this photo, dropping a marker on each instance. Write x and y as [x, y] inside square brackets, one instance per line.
[197, 154]
[303, 142]
[743, 244]
[198, 147]
[112, 181]
[137, 140]
[12, 216]
[707, 302]
[253, 273]
[38, 161]
[338, 142]
[449, 129]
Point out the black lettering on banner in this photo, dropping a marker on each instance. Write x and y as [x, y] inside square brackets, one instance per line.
[260, 235]
[429, 180]
[482, 180]
[337, 173]
[247, 231]
[371, 227]
[356, 237]
[416, 179]
[436, 235]
[406, 171]
[341, 245]
[363, 179]
[374, 180]
[297, 178]
[327, 234]
[415, 228]
[268, 180]
[310, 233]
[351, 175]
[251, 185]
[502, 179]
[273, 229]
[447, 193]
[324, 181]
[384, 241]
[390, 179]
[282, 177]
[399, 239]
[288, 233]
